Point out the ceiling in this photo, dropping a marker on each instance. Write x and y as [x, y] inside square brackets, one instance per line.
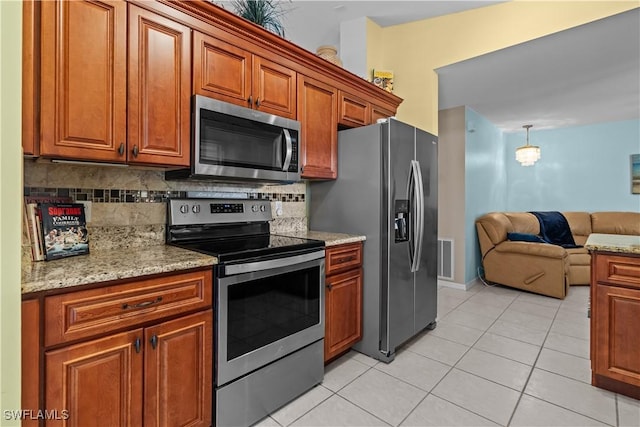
[583, 75]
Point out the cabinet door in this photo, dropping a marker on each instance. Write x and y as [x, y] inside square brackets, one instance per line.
[616, 354]
[159, 89]
[30, 352]
[221, 71]
[378, 112]
[178, 372]
[274, 88]
[343, 312]
[83, 79]
[30, 103]
[318, 116]
[353, 111]
[99, 382]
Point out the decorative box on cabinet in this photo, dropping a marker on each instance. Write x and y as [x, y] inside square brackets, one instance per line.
[343, 305]
[615, 320]
[132, 354]
[233, 74]
[318, 116]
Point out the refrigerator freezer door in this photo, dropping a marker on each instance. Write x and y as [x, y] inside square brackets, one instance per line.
[397, 284]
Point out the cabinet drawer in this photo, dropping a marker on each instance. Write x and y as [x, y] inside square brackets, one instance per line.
[343, 257]
[83, 314]
[618, 270]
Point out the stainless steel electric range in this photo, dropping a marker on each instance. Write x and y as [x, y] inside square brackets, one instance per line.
[269, 304]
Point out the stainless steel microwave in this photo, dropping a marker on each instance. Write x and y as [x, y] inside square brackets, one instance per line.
[238, 143]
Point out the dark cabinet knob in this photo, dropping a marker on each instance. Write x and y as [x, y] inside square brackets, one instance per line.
[250, 100]
[135, 151]
[137, 345]
[154, 341]
[121, 149]
[257, 102]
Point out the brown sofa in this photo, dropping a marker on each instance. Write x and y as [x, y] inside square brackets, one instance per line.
[541, 267]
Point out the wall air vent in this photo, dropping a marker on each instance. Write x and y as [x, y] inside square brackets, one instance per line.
[445, 259]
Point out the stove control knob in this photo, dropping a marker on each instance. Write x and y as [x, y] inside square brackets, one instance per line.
[254, 208]
[263, 208]
[184, 209]
[195, 209]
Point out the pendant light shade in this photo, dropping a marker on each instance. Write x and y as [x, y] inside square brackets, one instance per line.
[527, 155]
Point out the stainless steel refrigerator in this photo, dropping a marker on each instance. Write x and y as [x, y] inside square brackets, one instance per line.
[387, 190]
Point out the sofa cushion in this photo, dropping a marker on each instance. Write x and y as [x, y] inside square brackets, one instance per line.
[616, 223]
[523, 222]
[496, 225]
[579, 256]
[524, 237]
[580, 224]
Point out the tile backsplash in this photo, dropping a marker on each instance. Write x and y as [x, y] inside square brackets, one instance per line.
[128, 204]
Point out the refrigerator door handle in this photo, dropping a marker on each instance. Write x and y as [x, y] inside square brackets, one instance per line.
[414, 191]
[420, 210]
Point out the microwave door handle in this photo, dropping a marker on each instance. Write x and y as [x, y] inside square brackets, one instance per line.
[289, 152]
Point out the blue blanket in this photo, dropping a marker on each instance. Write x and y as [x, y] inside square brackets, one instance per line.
[554, 229]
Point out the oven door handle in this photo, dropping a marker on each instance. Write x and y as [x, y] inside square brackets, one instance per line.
[250, 267]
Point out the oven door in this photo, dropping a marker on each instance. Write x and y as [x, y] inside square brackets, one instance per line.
[267, 310]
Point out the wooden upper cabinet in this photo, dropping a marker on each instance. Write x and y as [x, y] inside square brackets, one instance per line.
[30, 77]
[159, 89]
[378, 112]
[221, 70]
[233, 74]
[83, 79]
[352, 110]
[318, 116]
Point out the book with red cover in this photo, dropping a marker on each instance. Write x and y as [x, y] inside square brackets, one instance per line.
[64, 230]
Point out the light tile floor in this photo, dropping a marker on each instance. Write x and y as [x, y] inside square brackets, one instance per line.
[498, 356]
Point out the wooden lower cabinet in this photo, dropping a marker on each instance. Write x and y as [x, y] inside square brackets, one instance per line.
[343, 299]
[30, 358]
[98, 382]
[156, 376]
[615, 320]
[178, 372]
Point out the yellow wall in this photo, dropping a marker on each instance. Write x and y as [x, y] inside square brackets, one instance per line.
[10, 205]
[414, 50]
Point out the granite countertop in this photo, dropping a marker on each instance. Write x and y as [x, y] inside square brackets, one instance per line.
[330, 239]
[102, 266]
[107, 265]
[619, 243]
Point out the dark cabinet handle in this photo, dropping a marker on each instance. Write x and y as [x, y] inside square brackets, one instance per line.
[257, 102]
[346, 259]
[137, 344]
[154, 341]
[135, 150]
[250, 100]
[121, 149]
[329, 286]
[126, 306]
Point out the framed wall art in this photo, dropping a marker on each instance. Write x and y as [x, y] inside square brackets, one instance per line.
[635, 174]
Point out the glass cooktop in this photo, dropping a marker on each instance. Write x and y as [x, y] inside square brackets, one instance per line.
[248, 247]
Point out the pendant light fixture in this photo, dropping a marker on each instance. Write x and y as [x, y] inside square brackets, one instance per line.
[527, 155]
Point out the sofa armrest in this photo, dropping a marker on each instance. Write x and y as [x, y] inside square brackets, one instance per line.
[532, 249]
